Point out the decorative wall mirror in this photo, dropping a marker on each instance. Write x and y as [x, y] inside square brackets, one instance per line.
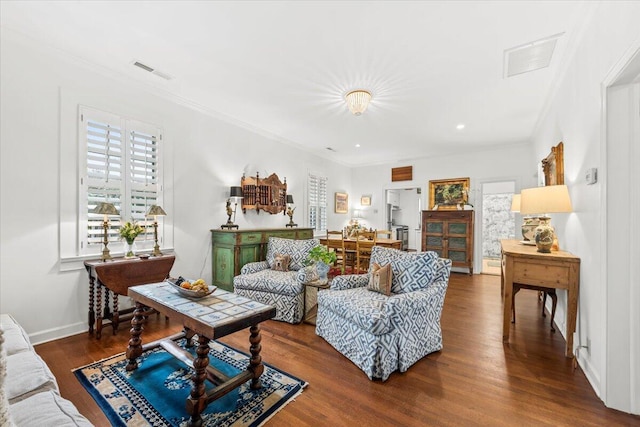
[553, 166]
[269, 194]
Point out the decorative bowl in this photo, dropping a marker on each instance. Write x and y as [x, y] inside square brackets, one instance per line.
[188, 292]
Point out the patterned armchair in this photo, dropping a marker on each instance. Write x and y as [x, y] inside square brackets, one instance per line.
[380, 333]
[261, 281]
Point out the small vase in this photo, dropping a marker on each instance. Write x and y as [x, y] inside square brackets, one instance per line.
[130, 248]
[323, 269]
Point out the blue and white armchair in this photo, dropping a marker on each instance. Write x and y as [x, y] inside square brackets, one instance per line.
[379, 333]
[282, 289]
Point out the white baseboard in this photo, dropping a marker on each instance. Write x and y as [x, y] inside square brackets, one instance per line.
[58, 333]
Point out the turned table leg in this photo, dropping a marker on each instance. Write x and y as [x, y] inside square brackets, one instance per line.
[134, 349]
[115, 320]
[92, 315]
[255, 363]
[99, 312]
[197, 400]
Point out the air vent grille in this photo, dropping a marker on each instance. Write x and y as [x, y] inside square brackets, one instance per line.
[152, 70]
[529, 57]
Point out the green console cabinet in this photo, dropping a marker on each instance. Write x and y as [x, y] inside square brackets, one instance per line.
[232, 249]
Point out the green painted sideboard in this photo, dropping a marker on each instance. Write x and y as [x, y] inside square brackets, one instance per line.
[231, 249]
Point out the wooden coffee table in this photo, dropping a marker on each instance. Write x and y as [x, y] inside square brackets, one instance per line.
[211, 317]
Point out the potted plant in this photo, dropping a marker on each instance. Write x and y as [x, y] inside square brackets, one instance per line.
[322, 258]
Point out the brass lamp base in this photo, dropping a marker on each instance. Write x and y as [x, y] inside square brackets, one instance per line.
[106, 256]
[229, 226]
[291, 224]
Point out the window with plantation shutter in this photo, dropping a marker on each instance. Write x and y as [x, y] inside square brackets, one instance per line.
[317, 202]
[120, 164]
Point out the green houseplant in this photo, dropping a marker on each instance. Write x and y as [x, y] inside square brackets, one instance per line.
[322, 258]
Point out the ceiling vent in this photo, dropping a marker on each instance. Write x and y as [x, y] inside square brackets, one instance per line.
[529, 57]
[152, 70]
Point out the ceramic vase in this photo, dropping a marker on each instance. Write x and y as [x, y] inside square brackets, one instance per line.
[529, 225]
[323, 269]
[544, 235]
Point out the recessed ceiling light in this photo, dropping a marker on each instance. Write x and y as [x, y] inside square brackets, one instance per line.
[460, 126]
[357, 145]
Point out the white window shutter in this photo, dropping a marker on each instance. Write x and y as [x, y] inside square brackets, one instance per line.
[317, 202]
[120, 163]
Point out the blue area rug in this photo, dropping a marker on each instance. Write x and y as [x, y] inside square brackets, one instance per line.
[155, 393]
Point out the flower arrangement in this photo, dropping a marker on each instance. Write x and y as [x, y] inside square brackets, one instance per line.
[130, 230]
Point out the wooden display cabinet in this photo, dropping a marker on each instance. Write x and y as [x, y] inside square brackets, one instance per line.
[450, 234]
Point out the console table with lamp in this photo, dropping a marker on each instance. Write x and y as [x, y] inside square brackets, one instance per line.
[544, 268]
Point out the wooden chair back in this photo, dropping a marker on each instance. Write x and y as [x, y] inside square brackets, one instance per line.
[365, 242]
[335, 243]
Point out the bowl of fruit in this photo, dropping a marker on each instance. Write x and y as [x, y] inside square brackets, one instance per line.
[191, 288]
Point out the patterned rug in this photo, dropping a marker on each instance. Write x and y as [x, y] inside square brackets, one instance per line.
[155, 393]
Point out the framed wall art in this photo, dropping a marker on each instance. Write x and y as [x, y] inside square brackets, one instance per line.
[365, 200]
[342, 203]
[448, 194]
[553, 166]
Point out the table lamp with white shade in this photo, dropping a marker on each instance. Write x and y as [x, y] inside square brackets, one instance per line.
[542, 201]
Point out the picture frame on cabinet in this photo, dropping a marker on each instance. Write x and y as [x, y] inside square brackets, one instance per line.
[448, 194]
[342, 203]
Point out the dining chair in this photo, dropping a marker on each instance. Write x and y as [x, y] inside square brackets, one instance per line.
[365, 241]
[385, 234]
[335, 243]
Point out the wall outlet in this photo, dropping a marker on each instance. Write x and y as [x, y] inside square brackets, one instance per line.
[591, 176]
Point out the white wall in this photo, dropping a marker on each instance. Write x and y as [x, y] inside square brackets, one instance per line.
[40, 93]
[575, 117]
[501, 164]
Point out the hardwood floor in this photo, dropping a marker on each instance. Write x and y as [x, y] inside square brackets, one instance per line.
[474, 380]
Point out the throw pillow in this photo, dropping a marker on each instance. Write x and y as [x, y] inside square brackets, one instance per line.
[380, 280]
[281, 262]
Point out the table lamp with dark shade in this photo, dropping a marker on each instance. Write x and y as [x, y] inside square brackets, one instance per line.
[290, 210]
[105, 209]
[544, 200]
[235, 195]
[155, 211]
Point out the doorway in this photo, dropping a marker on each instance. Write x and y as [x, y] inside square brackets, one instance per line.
[498, 222]
[403, 216]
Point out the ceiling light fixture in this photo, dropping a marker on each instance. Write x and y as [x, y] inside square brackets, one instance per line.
[358, 101]
[460, 126]
[357, 145]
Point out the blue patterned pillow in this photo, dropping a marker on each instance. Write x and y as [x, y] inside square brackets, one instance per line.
[411, 271]
[298, 250]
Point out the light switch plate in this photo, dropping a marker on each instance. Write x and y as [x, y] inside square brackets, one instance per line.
[592, 176]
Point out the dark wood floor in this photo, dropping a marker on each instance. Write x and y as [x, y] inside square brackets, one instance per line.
[474, 380]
